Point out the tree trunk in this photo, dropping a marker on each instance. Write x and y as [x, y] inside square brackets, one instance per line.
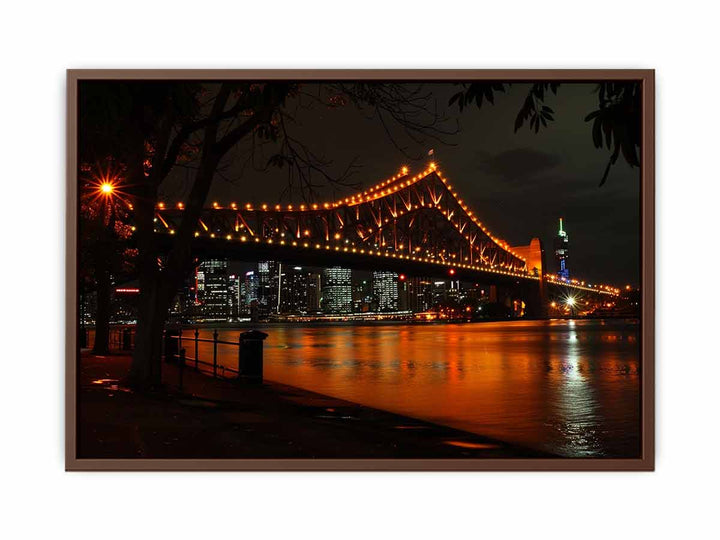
[102, 319]
[145, 372]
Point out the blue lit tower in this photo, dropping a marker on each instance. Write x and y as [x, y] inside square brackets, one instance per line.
[561, 252]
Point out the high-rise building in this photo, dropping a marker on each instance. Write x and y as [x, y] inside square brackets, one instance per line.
[212, 290]
[561, 252]
[234, 299]
[362, 296]
[337, 290]
[385, 290]
[252, 285]
[314, 292]
[293, 290]
[439, 292]
[268, 287]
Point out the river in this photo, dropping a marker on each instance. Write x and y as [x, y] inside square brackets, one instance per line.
[570, 387]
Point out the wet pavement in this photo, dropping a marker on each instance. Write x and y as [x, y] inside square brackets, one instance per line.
[213, 418]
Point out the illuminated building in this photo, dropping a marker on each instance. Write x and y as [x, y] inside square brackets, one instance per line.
[293, 290]
[314, 292]
[212, 290]
[561, 252]
[337, 290]
[268, 287]
[234, 295]
[123, 308]
[362, 296]
[385, 290]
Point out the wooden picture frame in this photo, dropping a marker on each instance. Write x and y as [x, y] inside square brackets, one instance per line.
[645, 77]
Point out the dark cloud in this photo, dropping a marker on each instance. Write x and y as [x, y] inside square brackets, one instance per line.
[518, 164]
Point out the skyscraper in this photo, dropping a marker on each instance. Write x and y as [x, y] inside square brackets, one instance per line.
[234, 299]
[561, 252]
[385, 290]
[293, 290]
[268, 287]
[337, 290]
[314, 292]
[212, 290]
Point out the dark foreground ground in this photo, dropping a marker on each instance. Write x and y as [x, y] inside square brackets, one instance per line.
[214, 418]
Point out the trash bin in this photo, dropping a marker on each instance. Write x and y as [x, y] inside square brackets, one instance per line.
[250, 366]
[172, 338]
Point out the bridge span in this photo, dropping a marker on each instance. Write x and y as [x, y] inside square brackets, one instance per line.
[412, 224]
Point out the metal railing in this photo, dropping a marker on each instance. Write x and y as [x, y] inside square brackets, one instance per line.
[186, 341]
[211, 366]
[121, 337]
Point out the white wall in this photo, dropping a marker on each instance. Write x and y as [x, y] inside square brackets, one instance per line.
[40, 42]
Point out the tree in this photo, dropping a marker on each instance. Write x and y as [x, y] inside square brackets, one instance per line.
[153, 128]
[104, 231]
[616, 121]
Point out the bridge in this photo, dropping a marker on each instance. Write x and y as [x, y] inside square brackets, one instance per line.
[412, 224]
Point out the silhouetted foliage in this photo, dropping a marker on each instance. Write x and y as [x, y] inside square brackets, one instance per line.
[616, 121]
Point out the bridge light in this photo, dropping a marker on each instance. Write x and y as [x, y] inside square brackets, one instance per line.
[172, 231]
[228, 237]
[337, 236]
[243, 238]
[451, 271]
[404, 170]
[215, 204]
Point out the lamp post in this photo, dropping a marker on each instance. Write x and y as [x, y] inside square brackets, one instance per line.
[570, 302]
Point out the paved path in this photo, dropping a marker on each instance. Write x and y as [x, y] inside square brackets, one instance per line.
[214, 418]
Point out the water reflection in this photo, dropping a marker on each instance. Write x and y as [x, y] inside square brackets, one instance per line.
[568, 387]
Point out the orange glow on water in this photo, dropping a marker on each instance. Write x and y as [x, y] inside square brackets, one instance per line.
[570, 387]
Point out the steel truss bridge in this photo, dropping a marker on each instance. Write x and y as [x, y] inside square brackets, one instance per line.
[411, 224]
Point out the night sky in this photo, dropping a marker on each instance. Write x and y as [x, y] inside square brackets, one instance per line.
[518, 184]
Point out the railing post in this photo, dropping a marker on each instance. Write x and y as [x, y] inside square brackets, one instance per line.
[215, 340]
[240, 366]
[197, 333]
[181, 368]
[180, 338]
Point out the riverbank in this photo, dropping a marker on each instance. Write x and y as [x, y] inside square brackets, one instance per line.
[213, 418]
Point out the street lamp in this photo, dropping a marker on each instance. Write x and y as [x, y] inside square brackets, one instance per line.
[570, 303]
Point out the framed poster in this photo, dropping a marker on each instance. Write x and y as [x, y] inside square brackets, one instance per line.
[360, 270]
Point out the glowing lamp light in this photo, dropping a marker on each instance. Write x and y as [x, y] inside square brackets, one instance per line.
[570, 301]
[451, 271]
[107, 188]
